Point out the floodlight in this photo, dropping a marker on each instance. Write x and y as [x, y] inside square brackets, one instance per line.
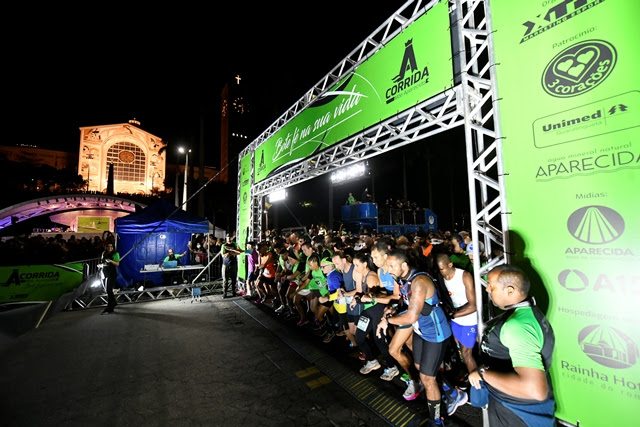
[348, 173]
[277, 196]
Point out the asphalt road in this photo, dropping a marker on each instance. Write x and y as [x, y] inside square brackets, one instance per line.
[213, 363]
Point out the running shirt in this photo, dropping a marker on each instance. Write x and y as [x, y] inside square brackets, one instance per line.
[268, 265]
[334, 283]
[405, 289]
[432, 327]
[350, 285]
[458, 294]
[365, 290]
[318, 282]
[347, 278]
[282, 263]
[386, 280]
[520, 337]
[253, 260]
[297, 267]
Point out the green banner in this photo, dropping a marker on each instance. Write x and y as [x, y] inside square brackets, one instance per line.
[39, 282]
[244, 211]
[412, 67]
[567, 78]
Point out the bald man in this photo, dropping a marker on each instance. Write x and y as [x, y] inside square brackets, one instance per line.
[515, 355]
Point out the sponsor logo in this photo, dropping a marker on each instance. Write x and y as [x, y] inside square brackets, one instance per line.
[607, 159]
[585, 122]
[409, 77]
[16, 278]
[555, 15]
[244, 197]
[579, 68]
[572, 370]
[596, 225]
[599, 251]
[568, 122]
[573, 280]
[608, 346]
[577, 281]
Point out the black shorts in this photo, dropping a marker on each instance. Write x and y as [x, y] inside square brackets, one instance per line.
[428, 355]
[314, 293]
[254, 275]
[353, 318]
[269, 281]
[343, 323]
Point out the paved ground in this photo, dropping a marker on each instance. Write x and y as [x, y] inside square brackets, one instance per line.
[172, 362]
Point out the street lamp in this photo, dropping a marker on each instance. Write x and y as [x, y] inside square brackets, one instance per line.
[186, 151]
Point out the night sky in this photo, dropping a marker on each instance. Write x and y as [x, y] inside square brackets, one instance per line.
[167, 67]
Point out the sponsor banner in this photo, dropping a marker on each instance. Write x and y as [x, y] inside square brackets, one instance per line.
[570, 116]
[39, 282]
[244, 211]
[414, 66]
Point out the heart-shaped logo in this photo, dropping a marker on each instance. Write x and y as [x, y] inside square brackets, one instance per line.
[564, 65]
[585, 58]
[579, 68]
[576, 71]
[573, 66]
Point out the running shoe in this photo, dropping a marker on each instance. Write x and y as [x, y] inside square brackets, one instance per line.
[389, 373]
[458, 400]
[412, 393]
[371, 365]
[328, 337]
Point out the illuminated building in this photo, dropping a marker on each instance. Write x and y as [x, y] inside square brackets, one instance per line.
[138, 158]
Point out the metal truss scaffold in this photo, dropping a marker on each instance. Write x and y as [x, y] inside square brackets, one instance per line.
[148, 294]
[472, 103]
[403, 17]
[487, 200]
[437, 114]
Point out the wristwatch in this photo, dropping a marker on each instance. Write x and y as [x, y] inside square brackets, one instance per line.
[481, 371]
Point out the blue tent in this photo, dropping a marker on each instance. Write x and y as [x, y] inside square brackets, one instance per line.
[144, 238]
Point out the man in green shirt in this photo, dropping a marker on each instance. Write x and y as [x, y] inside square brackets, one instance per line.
[229, 252]
[171, 256]
[110, 262]
[515, 355]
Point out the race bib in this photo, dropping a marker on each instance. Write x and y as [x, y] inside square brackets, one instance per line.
[363, 322]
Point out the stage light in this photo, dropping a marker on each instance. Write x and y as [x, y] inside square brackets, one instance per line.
[95, 283]
[350, 172]
[277, 196]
